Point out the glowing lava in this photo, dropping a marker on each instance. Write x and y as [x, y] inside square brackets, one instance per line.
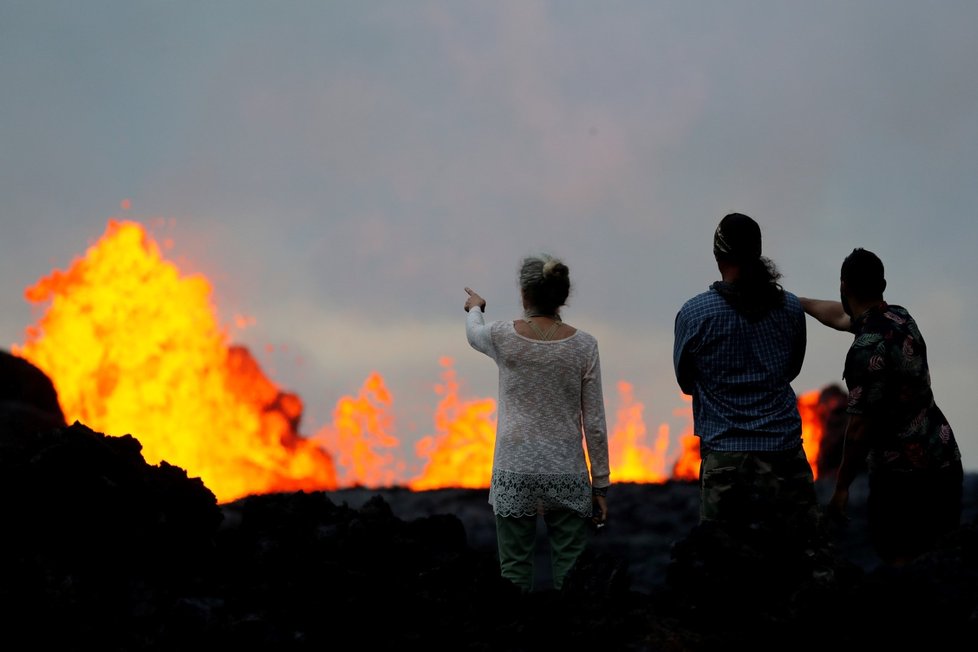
[133, 348]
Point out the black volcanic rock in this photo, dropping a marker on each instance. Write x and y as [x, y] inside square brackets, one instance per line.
[28, 400]
[105, 550]
[101, 550]
[96, 539]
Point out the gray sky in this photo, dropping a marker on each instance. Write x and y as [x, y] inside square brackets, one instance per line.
[341, 170]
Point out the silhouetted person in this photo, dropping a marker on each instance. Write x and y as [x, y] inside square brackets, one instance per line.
[549, 396]
[832, 403]
[894, 425]
[738, 346]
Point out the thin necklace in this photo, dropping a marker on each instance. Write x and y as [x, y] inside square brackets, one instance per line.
[549, 333]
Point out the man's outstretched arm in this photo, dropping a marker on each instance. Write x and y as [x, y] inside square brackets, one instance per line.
[828, 312]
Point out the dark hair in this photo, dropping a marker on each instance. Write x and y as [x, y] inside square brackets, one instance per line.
[862, 272]
[545, 282]
[737, 240]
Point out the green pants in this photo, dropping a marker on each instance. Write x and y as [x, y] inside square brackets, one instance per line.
[567, 532]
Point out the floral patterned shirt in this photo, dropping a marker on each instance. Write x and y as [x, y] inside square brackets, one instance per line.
[888, 379]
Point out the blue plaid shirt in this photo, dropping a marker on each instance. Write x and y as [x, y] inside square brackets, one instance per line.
[739, 373]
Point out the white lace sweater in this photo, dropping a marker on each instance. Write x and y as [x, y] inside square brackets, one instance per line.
[550, 407]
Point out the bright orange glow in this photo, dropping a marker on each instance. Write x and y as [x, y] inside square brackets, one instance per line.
[460, 452]
[811, 427]
[687, 465]
[632, 460]
[359, 435]
[133, 347]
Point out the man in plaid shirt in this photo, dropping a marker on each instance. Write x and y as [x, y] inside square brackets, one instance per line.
[738, 346]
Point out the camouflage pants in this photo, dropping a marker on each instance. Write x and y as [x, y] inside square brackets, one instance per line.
[773, 491]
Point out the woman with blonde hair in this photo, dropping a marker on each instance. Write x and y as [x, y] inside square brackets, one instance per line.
[550, 408]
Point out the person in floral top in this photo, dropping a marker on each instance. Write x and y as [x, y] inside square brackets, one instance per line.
[896, 431]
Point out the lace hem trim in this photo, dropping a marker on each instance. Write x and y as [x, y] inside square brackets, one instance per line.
[523, 494]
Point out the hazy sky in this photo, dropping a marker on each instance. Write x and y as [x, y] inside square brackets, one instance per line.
[341, 170]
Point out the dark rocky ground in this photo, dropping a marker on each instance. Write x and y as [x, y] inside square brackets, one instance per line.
[102, 551]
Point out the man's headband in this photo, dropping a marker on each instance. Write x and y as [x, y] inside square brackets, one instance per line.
[738, 238]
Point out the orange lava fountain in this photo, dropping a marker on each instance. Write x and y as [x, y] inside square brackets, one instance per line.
[687, 465]
[132, 347]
